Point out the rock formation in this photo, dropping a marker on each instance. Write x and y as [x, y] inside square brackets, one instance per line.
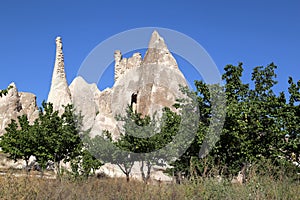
[84, 98]
[15, 104]
[59, 93]
[147, 84]
[143, 84]
[158, 53]
[93, 105]
[123, 64]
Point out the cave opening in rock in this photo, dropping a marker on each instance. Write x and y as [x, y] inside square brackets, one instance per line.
[133, 103]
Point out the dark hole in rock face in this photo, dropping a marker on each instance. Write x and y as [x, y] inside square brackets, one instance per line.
[134, 101]
[133, 98]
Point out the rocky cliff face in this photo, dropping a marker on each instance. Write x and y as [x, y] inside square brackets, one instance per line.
[15, 104]
[147, 85]
[151, 84]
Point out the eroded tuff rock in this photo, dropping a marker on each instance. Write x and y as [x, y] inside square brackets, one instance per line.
[150, 85]
[85, 97]
[146, 84]
[123, 64]
[94, 106]
[29, 107]
[59, 93]
[15, 104]
[158, 53]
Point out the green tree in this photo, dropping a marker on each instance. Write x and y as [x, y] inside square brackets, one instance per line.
[58, 137]
[18, 140]
[157, 142]
[52, 137]
[137, 138]
[291, 122]
[85, 164]
[142, 136]
[104, 148]
[256, 125]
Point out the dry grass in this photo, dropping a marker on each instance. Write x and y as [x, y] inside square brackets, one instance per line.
[259, 187]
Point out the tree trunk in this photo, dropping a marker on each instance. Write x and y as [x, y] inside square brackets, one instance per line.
[58, 172]
[42, 172]
[27, 166]
[147, 176]
[148, 171]
[142, 172]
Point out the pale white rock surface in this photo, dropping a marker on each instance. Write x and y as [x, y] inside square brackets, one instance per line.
[29, 107]
[147, 85]
[6, 163]
[59, 94]
[134, 61]
[123, 64]
[152, 84]
[10, 106]
[94, 106]
[158, 53]
[15, 104]
[105, 120]
[84, 99]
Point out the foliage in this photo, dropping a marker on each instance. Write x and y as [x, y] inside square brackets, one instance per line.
[18, 139]
[104, 148]
[85, 164]
[52, 137]
[140, 141]
[259, 125]
[57, 136]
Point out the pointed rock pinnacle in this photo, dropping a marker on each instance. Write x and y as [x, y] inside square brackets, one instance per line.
[59, 59]
[157, 42]
[158, 52]
[59, 93]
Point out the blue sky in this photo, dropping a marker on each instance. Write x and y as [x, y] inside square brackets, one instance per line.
[253, 32]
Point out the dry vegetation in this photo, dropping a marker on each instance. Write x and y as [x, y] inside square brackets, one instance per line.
[257, 187]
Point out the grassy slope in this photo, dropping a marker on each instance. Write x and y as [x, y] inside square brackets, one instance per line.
[12, 187]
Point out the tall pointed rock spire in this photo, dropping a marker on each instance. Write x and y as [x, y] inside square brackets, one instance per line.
[158, 52]
[59, 93]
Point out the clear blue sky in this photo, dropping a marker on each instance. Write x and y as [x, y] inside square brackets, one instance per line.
[254, 32]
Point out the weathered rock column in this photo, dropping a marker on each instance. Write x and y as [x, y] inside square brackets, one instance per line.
[118, 66]
[59, 93]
